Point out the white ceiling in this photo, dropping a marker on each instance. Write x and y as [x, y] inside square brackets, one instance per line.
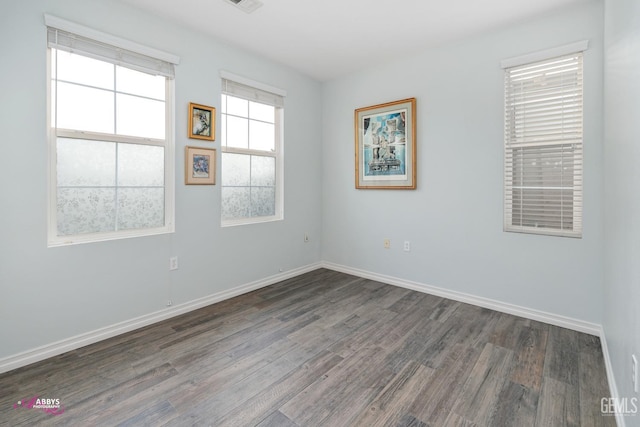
[328, 38]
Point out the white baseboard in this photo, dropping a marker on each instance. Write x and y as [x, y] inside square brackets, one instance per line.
[528, 313]
[613, 388]
[72, 343]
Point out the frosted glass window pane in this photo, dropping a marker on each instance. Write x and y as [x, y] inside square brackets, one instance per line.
[83, 70]
[237, 106]
[237, 132]
[84, 108]
[140, 208]
[140, 117]
[85, 210]
[263, 171]
[140, 165]
[236, 169]
[86, 163]
[263, 201]
[262, 136]
[138, 83]
[235, 202]
[263, 112]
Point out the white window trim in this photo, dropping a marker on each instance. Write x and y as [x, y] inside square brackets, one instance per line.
[572, 48]
[278, 154]
[53, 239]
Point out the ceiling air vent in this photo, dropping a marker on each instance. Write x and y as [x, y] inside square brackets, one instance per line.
[247, 6]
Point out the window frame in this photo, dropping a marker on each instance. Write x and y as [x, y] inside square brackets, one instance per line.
[53, 133]
[277, 153]
[511, 147]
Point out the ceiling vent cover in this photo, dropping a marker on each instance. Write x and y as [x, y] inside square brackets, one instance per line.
[247, 6]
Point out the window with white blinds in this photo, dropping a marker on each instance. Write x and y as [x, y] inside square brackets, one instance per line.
[543, 147]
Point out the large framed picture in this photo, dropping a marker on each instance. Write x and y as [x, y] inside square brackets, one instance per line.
[202, 122]
[200, 166]
[385, 137]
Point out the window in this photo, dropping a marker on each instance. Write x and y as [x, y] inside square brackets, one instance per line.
[110, 146]
[251, 127]
[543, 147]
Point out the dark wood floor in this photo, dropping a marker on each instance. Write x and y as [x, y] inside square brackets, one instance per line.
[324, 349]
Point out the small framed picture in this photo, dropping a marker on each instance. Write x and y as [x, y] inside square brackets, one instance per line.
[202, 122]
[200, 166]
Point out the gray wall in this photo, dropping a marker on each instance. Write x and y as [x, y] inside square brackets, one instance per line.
[622, 189]
[57, 293]
[454, 218]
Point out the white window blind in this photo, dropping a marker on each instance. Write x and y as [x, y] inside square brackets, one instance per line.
[250, 93]
[71, 37]
[543, 147]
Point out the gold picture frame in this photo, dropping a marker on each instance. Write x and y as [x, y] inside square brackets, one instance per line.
[202, 122]
[385, 144]
[200, 166]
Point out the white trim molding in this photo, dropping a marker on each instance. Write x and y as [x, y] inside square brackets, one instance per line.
[613, 387]
[504, 307]
[72, 343]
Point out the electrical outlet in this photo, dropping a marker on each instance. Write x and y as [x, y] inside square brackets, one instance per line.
[634, 372]
[173, 263]
[407, 246]
[387, 243]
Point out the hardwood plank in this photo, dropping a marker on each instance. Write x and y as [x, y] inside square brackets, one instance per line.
[593, 386]
[342, 393]
[410, 421]
[444, 309]
[435, 402]
[530, 356]
[160, 412]
[507, 331]
[480, 393]
[391, 405]
[90, 409]
[277, 419]
[455, 420]
[516, 406]
[558, 405]
[258, 407]
[222, 398]
[561, 358]
[352, 343]
[228, 372]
